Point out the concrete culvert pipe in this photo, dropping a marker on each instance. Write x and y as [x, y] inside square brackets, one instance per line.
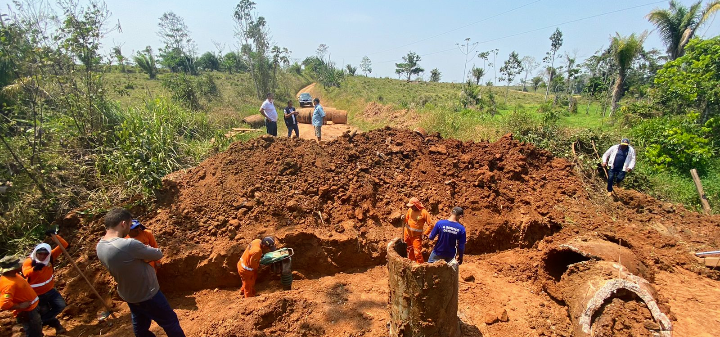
[423, 297]
[255, 121]
[589, 286]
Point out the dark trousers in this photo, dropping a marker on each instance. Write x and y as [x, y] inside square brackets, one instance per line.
[51, 304]
[614, 177]
[155, 309]
[271, 127]
[291, 128]
[31, 322]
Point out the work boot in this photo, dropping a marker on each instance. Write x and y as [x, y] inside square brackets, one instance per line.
[59, 329]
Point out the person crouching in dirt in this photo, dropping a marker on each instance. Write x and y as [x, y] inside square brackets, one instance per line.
[317, 119]
[140, 233]
[136, 279]
[621, 158]
[451, 238]
[415, 220]
[250, 263]
[16, 294]
[291, 120]
[38, 270]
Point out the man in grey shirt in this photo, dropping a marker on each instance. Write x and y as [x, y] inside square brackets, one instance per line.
[126, 259]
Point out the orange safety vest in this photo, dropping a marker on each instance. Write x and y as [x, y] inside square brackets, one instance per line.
[415, 222]
[250, 260]
[15, 290]
[42, 280]
[146, 237]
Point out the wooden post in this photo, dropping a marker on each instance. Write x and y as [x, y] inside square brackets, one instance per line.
[703, 197]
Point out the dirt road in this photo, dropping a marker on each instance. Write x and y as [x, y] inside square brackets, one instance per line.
[329, 132]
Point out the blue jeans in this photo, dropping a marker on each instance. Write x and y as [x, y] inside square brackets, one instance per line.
[155, 309]
[434, 258]
[51, 304]
[271, 127]
[614, 177]
[31, 322]
[291, 128]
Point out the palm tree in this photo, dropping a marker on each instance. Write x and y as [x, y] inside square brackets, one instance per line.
[624, 50]
[678, 24]
[478, 74]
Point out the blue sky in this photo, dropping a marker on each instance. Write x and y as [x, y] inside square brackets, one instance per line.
[387, 30]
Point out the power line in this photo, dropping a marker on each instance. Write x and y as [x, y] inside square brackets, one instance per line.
[543, 28]
[455, 29]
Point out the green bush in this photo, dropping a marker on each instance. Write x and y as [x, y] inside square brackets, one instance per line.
[153, 141]
[192, 91]
[678, 143]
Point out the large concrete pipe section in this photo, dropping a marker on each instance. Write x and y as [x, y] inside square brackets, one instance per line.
[423, 297]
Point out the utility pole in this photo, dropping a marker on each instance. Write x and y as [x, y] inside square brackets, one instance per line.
[468, 48]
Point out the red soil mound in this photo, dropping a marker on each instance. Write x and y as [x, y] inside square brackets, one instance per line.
[339, 203]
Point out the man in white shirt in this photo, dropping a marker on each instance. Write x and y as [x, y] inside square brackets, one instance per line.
[268, 111]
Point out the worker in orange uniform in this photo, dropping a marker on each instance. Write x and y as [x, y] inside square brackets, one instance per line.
[415, 228]
[38, 270]
[250, 263]
[140, 233]
[16, 294]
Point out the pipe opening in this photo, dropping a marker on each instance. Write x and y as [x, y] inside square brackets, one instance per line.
[557, 261]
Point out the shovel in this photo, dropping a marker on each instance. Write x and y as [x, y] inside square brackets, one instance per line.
[108, 313]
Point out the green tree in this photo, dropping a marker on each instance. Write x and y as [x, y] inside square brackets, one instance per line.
[556, 41]
[477, 74]
[410, 66]
[350, 69]
[178, 54]
[280, 57]
[624, 50]
[121, 59]
[208, 62]
[536, 81]
[435, 75]
[232, 62]
[692, 81]
[146, 61]
[252, 34]
[678, 24]
[366, 65]
[510, 69]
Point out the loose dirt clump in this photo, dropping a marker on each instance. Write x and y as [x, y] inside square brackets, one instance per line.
[621, 318]
[339, 203]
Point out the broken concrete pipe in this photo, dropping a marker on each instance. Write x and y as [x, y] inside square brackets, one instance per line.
[589, 273]
[423, 297]
[593, 284]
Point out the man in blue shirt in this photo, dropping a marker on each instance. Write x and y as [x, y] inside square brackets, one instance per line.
[317, 118]
[451, 238]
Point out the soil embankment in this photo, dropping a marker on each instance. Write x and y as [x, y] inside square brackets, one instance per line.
[338, 204]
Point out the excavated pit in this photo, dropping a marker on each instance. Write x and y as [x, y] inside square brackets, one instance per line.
[338, 204]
